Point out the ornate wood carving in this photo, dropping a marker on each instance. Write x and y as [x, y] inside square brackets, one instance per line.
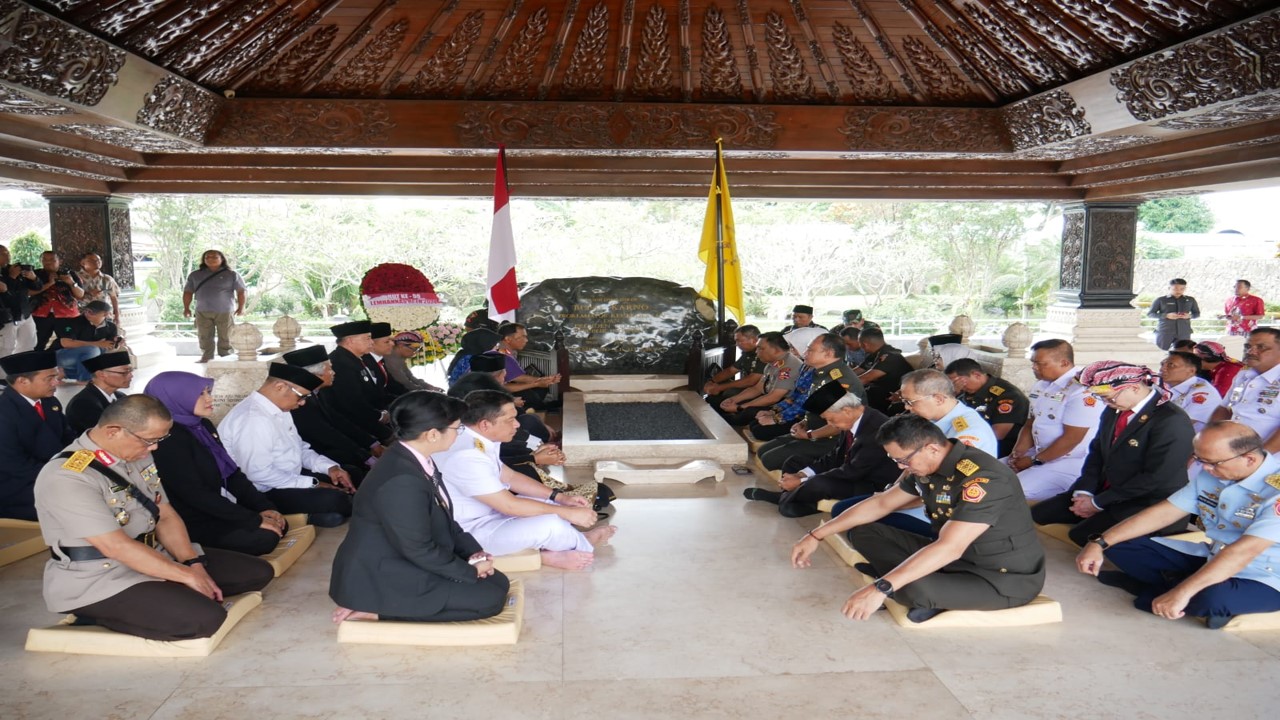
[255, 49]
[288, 71]
[557, 48]
[624, 50]
[1071, 265]
[441, 71]
[941, 84]
[1242, 112]
[1052, 32]
[1086, 146]
[940, 39]
[870, 85]
[1012, 46]
[63, 6]
[653, 69]
[77, 230]
[886, 47]
[755, 76]
[791, 83]
[516, 69]
[1111, 249]
[121, 245]
[994, 68]
[306, 123]
[12, 101]
[91, 157]
[1176, 14]
[194, 52]
[1230, 64]
[815, 47]
[585, 75]
[53, 58]
[57, 170]
[1113, 27]
[154, 37]
[1048, 118]
[177, 107]
[360, 76]
[924, 130]
[575, 125]
[120, 18]
[720, 77]
[138, 140]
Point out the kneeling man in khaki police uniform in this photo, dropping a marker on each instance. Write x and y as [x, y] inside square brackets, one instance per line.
[121, 555]
[986, 556]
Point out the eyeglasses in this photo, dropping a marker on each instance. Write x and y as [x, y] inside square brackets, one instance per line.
[119, 372]
[146, 441]
[909, 403]
[301, 396]
[1206, 464]
[455, 428]
[903, 461]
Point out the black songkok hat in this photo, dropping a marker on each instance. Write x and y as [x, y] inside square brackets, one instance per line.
[488, 362]
[806, 309]
[347, 329]
[295, 375]
[107, 360]
[29, 362]
[379, 330]
[945, 339]
[821, 400]
[306, 357]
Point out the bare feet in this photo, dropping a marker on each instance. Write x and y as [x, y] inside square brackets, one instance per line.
[344, 614]
[568, 559]
[600, 536]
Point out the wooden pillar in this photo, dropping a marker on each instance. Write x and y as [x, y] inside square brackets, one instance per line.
[81, 225]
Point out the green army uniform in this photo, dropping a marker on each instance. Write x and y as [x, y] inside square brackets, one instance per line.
[749, 363]
[1002, 568]
[999, 402]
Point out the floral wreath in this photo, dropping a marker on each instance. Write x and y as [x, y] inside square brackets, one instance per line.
[401, 295]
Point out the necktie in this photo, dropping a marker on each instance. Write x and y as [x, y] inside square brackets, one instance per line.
[848, 443]
[1121, 423]
[40, 409]
[383, 367]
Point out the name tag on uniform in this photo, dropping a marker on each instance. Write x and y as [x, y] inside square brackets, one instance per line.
[1236, 393]
[1246, 513]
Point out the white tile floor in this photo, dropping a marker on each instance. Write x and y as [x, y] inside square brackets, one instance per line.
[693, 611]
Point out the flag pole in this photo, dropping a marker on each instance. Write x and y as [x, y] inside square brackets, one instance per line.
[720, 183]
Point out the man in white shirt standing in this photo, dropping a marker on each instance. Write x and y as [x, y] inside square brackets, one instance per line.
[260, 436]
[505, 511]
[1064, 418]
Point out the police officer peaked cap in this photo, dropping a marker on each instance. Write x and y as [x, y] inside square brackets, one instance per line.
[945, 339]
[347, 329]
[295, 375]
[379, 330]
[488, 362]
[107, 360]
[29, 362]
[821, 400]
[806, 309]
[306, 357]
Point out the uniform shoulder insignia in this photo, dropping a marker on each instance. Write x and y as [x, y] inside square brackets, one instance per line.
[967, 467]
[1274, 481]
[973, 493]
[81, 459]
[960, 424]
[479, 445]
[997, 390]
[836, 374]
[1090, 400]
[1200, 398]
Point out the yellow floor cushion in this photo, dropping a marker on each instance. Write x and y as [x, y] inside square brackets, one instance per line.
[290, 548]
[1058, 531]
[1043, 610]
[826, 506]
[523, 561]
[774, 475]
[501, 629]
[1254, 621]
[297, 520]
[19, 539]
[92, 640]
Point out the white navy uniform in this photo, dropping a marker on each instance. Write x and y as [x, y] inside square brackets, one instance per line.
[1253, 400]
[1055, 404]
[1199, 398]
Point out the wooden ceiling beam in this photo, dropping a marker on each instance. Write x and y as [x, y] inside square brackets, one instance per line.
[30, 133]
[1203, 181]
[53, 179]
[1175, 146]
[1203, 161]
[67, 162]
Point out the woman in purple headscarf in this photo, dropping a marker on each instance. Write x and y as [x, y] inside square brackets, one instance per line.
[219, 505]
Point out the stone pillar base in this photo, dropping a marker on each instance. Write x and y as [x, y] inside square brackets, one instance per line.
[233, 381]
[1102, 334]
[147, 349]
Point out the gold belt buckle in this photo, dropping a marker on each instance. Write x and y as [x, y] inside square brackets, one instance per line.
[148, 539]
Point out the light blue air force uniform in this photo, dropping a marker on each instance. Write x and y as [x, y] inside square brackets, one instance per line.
[1230, 510]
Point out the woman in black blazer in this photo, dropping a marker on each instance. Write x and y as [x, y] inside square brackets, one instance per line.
[219, 505]
[404, 557]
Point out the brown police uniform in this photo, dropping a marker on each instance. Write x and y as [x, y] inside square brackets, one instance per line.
[999, 402]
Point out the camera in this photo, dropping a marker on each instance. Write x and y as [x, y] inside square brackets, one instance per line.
[26, 268]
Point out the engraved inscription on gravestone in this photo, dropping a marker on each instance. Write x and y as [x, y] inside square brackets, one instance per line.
[617, 325]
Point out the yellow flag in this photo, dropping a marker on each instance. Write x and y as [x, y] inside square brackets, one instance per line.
[733, 304]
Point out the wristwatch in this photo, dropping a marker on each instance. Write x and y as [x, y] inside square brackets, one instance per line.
[197, 560]
[552, 496]
[1036, 461]
[884, 586]
[1097, 539]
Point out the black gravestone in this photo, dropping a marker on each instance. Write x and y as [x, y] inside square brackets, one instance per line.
[617, 325]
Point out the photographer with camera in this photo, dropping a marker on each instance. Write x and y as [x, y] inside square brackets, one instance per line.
[84, 337]
[57, 298]
[17, 331]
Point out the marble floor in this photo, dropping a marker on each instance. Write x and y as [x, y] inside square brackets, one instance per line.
[692, 611]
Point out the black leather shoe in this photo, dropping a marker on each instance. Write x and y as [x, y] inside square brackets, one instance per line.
[754, 493]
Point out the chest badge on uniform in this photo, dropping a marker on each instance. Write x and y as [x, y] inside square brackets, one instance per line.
[81, 459]
[968, 467]
[1133, 442]
[1274, 481]
[943, 499]
[1005, 407]
[1200, 398]
[973, 493]
[960, 424]
[122, 517]
[997, 390]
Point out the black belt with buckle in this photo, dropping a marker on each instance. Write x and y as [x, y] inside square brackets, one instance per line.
[82, 553]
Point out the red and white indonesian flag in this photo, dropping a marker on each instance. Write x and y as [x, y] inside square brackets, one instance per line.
[504, 298]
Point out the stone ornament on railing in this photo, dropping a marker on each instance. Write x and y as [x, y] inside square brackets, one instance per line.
[963, 326]
[1017, 338]
[246, 339]
[287, 331]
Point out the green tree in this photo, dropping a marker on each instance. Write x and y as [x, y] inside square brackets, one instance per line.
[1176, 215]
[25, 249]
[1153, 248]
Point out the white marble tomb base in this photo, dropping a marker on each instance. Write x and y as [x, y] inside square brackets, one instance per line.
[657, 472]
[627, 383]
[722, 445]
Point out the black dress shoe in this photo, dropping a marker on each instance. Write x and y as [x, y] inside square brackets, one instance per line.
[1217, 622]
[919, 615]
[754, 493]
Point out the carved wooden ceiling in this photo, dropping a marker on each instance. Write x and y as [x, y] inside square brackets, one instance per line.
[1045, 99]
